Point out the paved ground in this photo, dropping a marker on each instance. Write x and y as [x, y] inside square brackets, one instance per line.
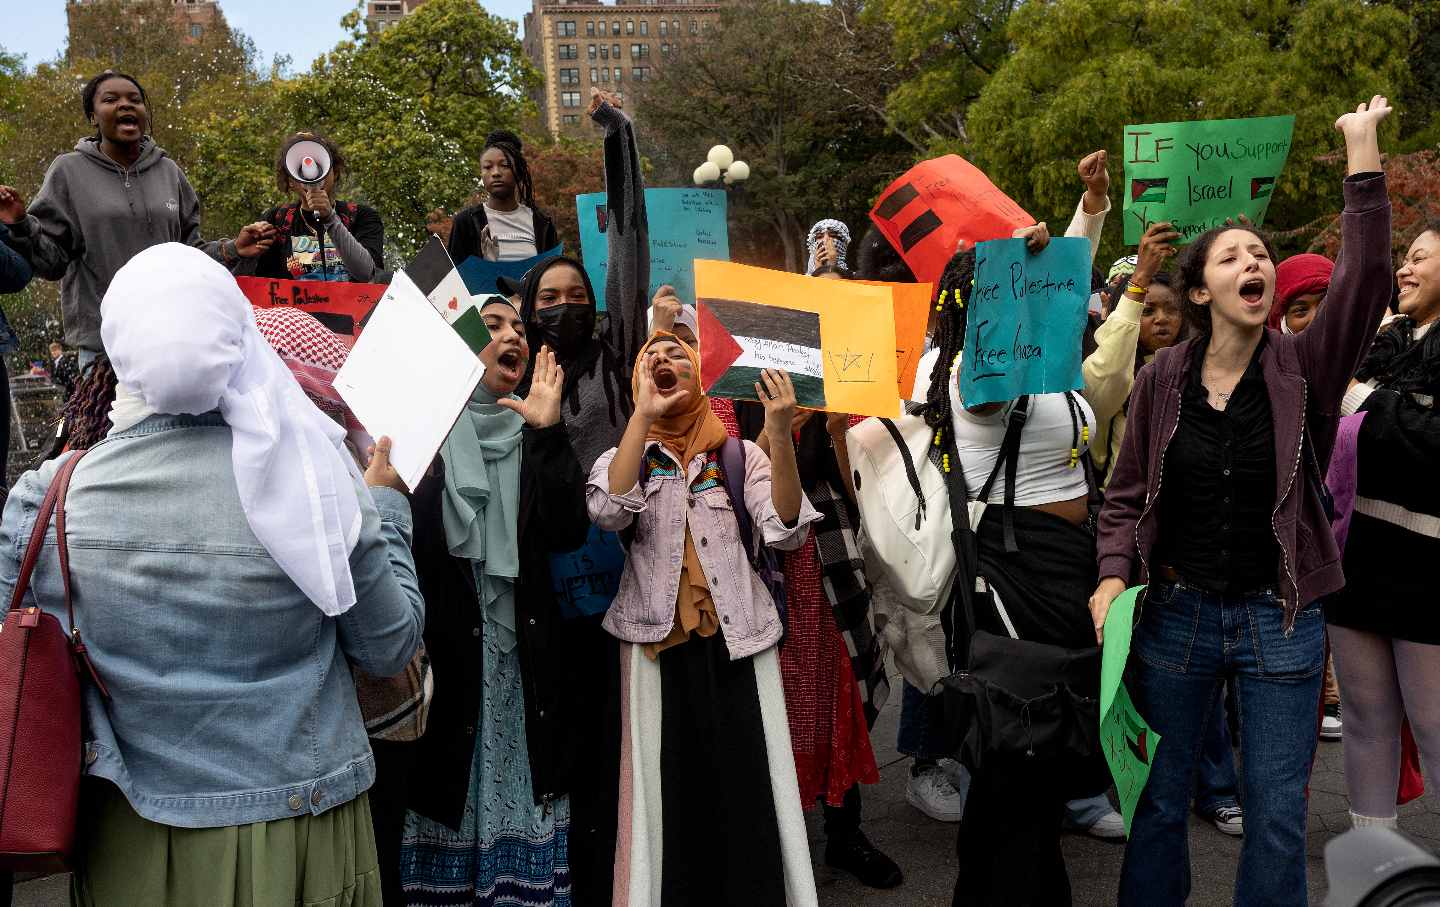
[925, 848]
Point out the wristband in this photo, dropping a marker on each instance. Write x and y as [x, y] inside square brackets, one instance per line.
[1136, 288]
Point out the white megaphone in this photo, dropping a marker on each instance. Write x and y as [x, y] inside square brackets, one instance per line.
[308, 162]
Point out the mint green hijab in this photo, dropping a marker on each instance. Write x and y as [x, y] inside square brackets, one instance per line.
[481, 505]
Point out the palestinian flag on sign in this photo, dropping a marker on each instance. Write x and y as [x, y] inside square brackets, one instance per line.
[436, 276]
[1148, 190]
[1261, 186]
[738, 339]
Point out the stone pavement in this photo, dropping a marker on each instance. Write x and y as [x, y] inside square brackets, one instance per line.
[925, 848]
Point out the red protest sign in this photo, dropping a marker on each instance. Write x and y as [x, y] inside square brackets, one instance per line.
[341, 307]
[926, 213]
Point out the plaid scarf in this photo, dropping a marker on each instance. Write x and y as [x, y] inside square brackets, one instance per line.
[842, 573]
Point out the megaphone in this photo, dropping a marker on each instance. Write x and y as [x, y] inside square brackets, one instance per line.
[308, 162]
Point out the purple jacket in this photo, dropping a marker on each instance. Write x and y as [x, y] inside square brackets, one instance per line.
[1306, 375]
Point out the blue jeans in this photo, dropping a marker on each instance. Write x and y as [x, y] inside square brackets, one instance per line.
[1215, 782]
[1185, 644]
[913, 737]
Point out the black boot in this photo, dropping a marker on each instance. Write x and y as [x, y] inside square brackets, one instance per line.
[847, 848]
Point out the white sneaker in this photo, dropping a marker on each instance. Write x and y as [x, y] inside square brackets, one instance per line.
[932, 793]
[1109, 827]
[1331, 727]
[1229, 819]
[958, 774]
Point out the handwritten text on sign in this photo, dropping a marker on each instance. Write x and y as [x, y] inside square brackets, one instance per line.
[1196, 175]
[685, 224]
[1027, 313]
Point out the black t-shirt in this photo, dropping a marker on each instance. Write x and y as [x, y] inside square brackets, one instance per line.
[1218, 495]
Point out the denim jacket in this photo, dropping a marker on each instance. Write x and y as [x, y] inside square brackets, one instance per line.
[231, 700]
[644, 606]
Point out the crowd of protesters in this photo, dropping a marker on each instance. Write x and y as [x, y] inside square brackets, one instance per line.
[325, 687]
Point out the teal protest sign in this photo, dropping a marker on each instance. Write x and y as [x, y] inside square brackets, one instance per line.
[1195, 175]
[1127, 741]
[685, 224]
[1027, 313]
[479, 274]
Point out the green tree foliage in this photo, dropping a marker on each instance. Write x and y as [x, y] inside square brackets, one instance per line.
[1081, 70]
[811, 125]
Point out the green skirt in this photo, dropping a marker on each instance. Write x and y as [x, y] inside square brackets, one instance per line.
[327, 860]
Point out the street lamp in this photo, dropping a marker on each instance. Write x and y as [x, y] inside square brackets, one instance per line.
[720, 166]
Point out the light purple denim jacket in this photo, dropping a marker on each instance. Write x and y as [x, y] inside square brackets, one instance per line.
[644, 606]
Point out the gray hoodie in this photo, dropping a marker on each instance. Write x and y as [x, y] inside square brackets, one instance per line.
[92, 215]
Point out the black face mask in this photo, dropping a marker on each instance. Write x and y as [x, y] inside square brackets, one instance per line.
[567, 327]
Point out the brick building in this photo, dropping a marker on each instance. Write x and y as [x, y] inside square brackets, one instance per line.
[192, 17]
[382, 14]
[576, 45]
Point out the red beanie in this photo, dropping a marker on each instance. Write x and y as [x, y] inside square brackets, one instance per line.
[1298, 275]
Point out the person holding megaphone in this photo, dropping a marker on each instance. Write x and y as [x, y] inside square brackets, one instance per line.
[317, 237]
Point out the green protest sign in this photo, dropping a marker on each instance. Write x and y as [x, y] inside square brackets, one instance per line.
[1195, 175]
[1126, 739]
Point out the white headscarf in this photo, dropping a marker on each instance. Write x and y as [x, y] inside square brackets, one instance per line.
[182, 340]
[812, 241]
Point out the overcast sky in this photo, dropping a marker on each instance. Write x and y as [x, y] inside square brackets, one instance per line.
[304, 30]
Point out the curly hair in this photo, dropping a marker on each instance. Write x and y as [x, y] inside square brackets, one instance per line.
[87, 412]
[282, 173]
[1191, 273]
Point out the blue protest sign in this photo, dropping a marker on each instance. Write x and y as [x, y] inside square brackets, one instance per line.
[479, 274]
[685, 224]
[1027, 314]
[586, 579]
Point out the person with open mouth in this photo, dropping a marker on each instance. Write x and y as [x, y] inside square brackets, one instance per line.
[115, 195]
[1217, 502]
[489, 781]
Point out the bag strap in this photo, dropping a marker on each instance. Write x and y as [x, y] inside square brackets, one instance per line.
[911, 474]
[37, 533]
[1009, 458]
[967, 566]
[732, 472]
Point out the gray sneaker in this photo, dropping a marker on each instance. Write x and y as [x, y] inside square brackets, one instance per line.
[931, 792]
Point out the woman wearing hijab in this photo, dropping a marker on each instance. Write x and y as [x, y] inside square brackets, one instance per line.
[710, 808]
[490, 819]
[229, 763]
[1300, 285]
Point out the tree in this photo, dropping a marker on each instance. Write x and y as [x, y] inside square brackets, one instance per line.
[1082, 70]
[812, 130]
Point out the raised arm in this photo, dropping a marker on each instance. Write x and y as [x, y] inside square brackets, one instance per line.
[1089, 219]
[1334, 345]
[45, 235]
[627, 280]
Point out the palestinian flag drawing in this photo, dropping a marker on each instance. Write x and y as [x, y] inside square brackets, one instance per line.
[738, 339]
[1148, 190]
[433, 272]
[1261, 186]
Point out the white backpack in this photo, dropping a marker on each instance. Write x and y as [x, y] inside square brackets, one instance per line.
[905, 509]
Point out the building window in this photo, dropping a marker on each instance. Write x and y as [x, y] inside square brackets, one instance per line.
[664, 27]
[615, 27]
[590, 28]
[569, 99]
[644, 27]
[594, 74]
[569, 51]
[644, 51]
[635, 51]
[569, 77]
[615, 51]
[605, 74]
[629, 26]
[196, 29]
[694, 27]
[675, 27]
[641, 73]
[664, 49]
[604, 52]
[570, 119]
[618, 71]
[590, 51]
[565, 29]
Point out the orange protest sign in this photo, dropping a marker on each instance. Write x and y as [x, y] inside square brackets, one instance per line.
[912, 314]
[341, 307]
[939, 203]
[836, 338]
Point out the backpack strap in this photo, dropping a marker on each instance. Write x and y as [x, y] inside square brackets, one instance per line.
[732, 471]
[1009, 458]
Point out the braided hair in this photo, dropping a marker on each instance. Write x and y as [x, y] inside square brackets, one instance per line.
[509, 144]
[87, 412]
[956, 283]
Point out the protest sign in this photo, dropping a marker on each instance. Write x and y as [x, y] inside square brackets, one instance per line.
[912, 314]
[685, 224]
[585, 580]
[341, 307]
[1127, 741]
[1196, 175]
[479, 273]
[1027, 313]
[411, 356]
[936, 205]
[835, 338]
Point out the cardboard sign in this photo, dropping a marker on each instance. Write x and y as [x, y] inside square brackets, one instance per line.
[479, 274]
[836, 338]
[685, 224]
[1027, 314]
[342, 307]
[585, 580]
[927, 213]
[1195, 175]
[1127, 741]
[912, 314]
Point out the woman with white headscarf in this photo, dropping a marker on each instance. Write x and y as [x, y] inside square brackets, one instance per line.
[226, 560]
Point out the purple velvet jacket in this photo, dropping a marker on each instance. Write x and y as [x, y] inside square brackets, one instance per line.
[1306, 375]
